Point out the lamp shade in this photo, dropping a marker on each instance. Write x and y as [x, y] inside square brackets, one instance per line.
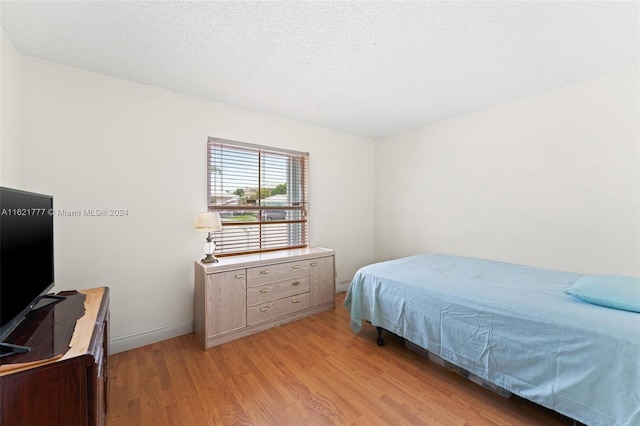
[208, 222]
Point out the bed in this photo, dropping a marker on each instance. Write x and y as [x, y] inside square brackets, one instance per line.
[513, 326]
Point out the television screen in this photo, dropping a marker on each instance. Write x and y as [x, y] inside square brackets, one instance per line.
[26, 255]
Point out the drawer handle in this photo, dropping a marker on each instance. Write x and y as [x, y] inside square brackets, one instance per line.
[295, 267]
[295, 283]
[295, 300]
[264, 290]
[264, 271]
[240, 276]
[265, 309]
[314, 264]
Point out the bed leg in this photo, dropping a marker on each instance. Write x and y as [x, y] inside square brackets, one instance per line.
[380, 339]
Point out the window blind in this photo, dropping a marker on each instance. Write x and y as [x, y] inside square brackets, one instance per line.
[261, 194]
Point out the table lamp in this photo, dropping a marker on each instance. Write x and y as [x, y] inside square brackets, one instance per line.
[209, 222]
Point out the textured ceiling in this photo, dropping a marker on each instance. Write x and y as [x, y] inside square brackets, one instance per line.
[366, 68]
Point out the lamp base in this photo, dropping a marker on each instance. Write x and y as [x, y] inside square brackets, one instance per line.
[209, 259]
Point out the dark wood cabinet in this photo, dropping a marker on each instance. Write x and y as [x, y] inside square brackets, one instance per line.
[68, 388]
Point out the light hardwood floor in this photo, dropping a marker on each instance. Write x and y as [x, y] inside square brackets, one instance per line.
[314, 371]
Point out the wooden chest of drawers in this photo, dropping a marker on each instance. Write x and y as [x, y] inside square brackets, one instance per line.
[243, 295]
[67, 389]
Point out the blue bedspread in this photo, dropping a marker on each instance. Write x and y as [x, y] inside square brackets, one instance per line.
[511, 325]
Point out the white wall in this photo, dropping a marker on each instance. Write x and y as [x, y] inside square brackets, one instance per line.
[550, 180]
[9, 112]
[93, 141]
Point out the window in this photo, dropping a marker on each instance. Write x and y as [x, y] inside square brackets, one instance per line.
[261, 194]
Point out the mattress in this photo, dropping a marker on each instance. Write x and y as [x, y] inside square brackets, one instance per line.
[513, 326]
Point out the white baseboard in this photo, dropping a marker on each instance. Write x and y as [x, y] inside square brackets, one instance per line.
[342, 287]
[132, 341]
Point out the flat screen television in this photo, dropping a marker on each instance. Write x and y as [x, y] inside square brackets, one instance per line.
[26, 255]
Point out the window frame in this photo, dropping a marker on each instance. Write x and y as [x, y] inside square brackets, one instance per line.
[269, 238]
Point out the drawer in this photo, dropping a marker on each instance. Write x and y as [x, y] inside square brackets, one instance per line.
[277, 272]
[277, 308]
[278, 290]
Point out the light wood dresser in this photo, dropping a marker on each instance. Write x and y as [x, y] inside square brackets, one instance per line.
[242, 295]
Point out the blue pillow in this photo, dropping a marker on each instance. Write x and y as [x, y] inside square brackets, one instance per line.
[612, 291]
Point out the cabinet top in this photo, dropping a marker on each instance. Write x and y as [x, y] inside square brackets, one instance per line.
[96, 305]
[248, 260]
